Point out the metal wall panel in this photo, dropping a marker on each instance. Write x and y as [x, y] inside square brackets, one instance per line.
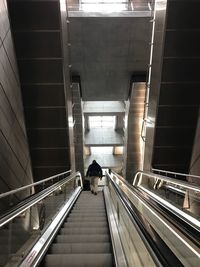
[37, 31]
[179, 100]
[15, 169]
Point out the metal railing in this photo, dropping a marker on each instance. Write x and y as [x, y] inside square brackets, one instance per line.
[28, 220]
[180, 197]
[124, 190]
[174, 181]
[176, 173]
[11, 192]
[134, 218]
[32, 200]
[144, 203]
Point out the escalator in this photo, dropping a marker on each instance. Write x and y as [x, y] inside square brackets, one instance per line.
[66, 226]
[84, 238]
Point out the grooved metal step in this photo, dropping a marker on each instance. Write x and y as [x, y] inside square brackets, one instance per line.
[79, 260]
[81, 248]
[85, 224]
[86, 215]
[82, 238]
[86, 219]
[84, 230]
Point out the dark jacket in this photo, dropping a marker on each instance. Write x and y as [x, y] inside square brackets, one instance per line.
[94, 170]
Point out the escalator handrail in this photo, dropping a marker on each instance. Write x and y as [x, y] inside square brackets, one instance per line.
[183, 219]
[177, 173]
[172, 210]
[157, 257]
[11, 192]
[34, 199]
[164, 259]
[187, 185]
[171, 213]
[39, 249]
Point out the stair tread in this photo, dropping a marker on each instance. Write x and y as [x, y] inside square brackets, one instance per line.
[81, 248]
[84, 230]
[86, 208]
[77, 260]
[76, 238]
[86, 219]
[87, 224]
[95, 211]
[82, 215]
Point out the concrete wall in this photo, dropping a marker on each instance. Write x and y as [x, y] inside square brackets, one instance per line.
[120, 122]
[15, 166]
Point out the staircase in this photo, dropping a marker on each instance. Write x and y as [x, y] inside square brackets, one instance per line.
[84, 239]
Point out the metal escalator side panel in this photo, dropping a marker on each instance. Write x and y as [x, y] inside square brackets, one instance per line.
[38, 250]
[119, 255]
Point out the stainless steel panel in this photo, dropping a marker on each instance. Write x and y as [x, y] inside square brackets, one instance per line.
[154, 78]
[4, 20]
[10, 51]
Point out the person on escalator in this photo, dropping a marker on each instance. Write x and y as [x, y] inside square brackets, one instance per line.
[94, 172]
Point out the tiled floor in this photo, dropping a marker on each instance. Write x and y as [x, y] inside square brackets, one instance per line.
[103, 106]
[103, 137]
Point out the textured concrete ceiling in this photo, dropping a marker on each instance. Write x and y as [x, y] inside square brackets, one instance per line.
[106, 51]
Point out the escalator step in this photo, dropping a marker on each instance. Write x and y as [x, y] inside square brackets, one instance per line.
[76, 211]
[77, 215]
[84, 230]
[85, 224]
[90, 209]
[81, 248]
[77, 260]
[87, 219]
[96, 238]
